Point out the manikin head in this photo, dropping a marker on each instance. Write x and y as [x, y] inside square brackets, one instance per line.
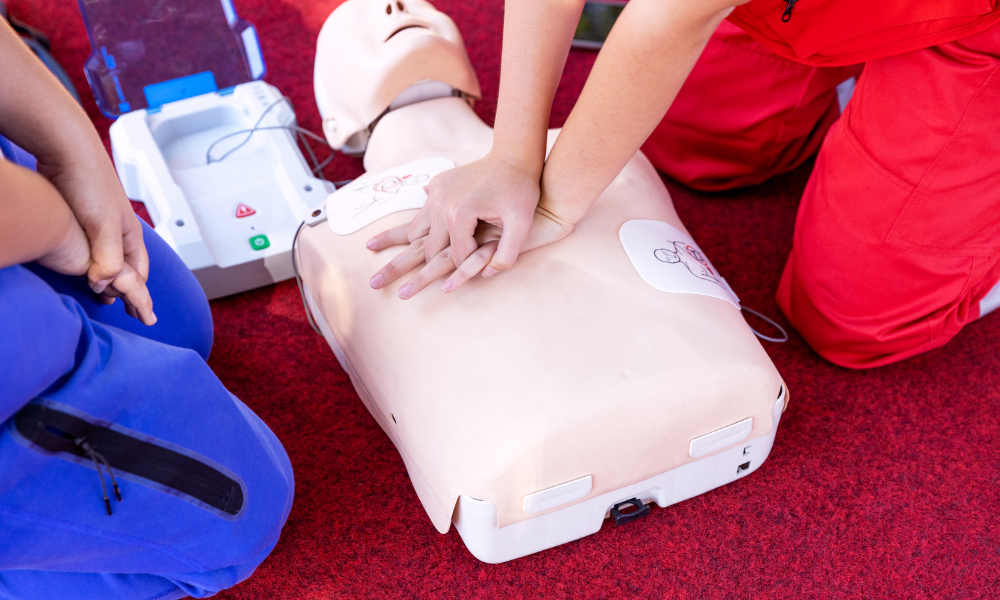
[375, 53]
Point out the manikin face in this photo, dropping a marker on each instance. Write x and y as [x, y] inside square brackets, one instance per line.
[371, 50]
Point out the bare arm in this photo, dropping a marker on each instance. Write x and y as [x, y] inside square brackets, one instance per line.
[648, 55]
[645, 61]
[75, 199]
[501, 189]
[39, 115]
[35, 223]
[536, 41]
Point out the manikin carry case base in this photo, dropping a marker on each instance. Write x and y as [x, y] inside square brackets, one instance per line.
[524, 393]
[476, 520]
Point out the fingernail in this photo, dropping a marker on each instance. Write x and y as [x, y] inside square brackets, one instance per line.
[100, 285]
[489, 272]
[404, 292]
[448, 286]
[371, 244]
[375, 281]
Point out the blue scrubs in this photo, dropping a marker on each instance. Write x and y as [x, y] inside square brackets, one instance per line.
[182, 315]
[84, 389]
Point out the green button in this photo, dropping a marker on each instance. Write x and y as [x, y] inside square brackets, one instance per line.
[259, 242]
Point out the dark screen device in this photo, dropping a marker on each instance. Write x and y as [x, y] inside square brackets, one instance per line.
[596, 22]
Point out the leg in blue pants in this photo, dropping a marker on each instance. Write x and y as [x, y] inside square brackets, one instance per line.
[182, 313]
[205, 485]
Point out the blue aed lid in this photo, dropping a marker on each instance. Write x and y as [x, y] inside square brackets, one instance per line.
[150, 52]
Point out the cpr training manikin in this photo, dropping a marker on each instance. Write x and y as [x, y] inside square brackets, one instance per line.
[605, 372]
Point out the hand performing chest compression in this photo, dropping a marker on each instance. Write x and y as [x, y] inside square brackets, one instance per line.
[499, 218]
[480, 216]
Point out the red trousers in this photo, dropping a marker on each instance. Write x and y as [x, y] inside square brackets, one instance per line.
[898, 233]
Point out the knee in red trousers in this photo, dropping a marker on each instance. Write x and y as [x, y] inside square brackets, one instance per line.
[744, 115]
[898, 234]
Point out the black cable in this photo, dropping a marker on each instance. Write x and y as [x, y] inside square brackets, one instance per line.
[319, 168]
[298, 281]
[784, 333]
[300, 133]
[294, 128]
[312, 155]
[249, 132]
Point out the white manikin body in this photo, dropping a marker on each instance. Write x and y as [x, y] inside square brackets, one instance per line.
[527, 406]
[213, 215]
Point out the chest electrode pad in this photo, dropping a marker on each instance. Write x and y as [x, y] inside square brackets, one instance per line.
[376, 195]
[669, 260]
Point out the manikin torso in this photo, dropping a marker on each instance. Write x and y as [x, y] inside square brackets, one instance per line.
[567, 365]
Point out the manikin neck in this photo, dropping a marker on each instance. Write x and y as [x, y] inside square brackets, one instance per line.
[438, 127]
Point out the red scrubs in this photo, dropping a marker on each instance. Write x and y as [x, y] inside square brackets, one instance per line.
[768, 117]
[898, 233]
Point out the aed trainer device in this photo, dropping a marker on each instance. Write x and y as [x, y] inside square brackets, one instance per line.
[206, 146]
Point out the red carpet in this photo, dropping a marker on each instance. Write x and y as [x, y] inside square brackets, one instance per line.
[882, 484]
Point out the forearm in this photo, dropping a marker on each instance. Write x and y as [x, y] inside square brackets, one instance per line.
[38, 113]
[536, 41]
[648, 55]
[34, 218]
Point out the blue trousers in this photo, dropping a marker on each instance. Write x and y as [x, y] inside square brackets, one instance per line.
[87, 392]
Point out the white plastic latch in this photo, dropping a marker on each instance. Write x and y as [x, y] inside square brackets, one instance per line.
[558, 495]
[719, 439]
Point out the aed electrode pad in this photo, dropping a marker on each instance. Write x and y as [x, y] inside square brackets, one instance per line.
[373, 196]
[670, 261]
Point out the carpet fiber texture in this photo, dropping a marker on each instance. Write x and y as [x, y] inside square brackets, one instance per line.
[882, 483]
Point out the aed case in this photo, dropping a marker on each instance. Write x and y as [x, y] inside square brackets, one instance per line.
[179, 77]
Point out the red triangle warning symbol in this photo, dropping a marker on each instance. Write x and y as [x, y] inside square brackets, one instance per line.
[244, 211]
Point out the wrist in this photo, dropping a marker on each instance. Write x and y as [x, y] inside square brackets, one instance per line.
[563, 205]
[34, 219]
[544, 208]
[518, 160]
